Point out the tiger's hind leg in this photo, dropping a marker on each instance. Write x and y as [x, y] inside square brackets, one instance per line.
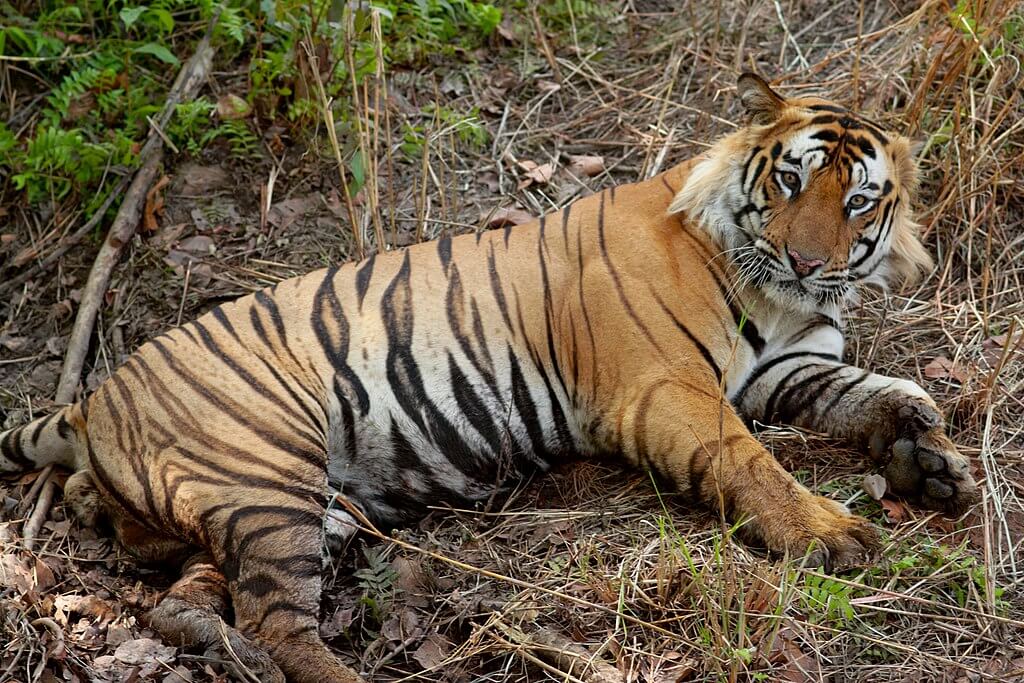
[271, 556]
[191, 615]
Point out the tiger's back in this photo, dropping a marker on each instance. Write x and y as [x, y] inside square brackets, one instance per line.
[422, 376]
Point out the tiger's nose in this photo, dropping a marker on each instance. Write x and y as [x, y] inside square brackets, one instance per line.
[802, 265]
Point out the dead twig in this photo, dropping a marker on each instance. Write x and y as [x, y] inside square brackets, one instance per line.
[41, 510]
[190, 78]
[37, 485]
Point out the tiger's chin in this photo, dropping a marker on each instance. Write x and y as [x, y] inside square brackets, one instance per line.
[797, 296]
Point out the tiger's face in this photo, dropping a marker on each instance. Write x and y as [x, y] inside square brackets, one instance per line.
[808, 200]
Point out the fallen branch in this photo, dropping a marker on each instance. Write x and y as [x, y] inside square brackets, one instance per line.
[192, 75]
[30, 531]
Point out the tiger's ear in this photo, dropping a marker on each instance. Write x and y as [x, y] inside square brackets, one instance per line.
[763, 105]
[907, 257]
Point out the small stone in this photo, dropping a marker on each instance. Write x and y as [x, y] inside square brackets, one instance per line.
[874, 485]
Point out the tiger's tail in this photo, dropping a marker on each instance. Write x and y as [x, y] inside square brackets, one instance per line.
[56, 438]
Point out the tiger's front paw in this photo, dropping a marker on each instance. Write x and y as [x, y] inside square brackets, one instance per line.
[927, 465]
[822, 530]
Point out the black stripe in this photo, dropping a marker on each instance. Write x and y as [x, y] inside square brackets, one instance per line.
[872, 244]
[222, 318]
[843, 392]
[689, 335]
[829, 107]
[10, 446]
[135, 452]
[565, 227]
[230, 408]
[744, 325]
[549, 323]
[757, 174]
[406, 382]
[455, 309]
[256, 384]
[594, 377]
[623, 299]
[363, 276]
[472, 407]
[771, 363]
[558, 417]
[268, 304]
[865, 146]
[746, 167]
[526, 408]
[315, 421]
[64, 428]
[328, 313]
[826, 135]
[40, 426]
[793, 409]
[115, 492]
[496, 289]
[444, 250]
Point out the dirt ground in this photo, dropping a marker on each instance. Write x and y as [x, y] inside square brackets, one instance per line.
[604, 567]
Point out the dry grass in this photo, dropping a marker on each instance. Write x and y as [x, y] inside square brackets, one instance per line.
[587, 556]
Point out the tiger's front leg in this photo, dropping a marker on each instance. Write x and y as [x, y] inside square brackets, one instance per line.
[688, 435]
[894, 420]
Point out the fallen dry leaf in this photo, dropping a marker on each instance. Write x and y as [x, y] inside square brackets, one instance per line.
[337, 624]
[232, 107]
[942, 368]
[84, 605]
[401, 626]
[586, 164]
[154, 205]
[144, 651]
[995, 346]
[432, 653]
[895, 511]
[798, 666]
[535, 173]
[503, 217]
[16, 573]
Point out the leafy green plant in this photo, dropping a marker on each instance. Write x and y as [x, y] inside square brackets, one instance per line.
[377, 580]
[828, 600]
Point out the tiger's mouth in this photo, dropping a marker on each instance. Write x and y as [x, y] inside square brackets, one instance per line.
[760, 269]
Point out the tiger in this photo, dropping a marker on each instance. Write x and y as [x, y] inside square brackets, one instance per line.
[655, 322]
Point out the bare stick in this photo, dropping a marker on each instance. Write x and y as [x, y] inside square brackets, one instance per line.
[190, 78]
[39, 514]
[36, 487]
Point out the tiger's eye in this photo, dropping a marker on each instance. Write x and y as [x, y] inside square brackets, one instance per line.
[792, 180]
[857, 201]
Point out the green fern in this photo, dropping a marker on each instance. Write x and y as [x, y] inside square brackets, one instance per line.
[377, 580]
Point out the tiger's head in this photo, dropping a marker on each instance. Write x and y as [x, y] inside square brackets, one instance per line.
[807, 200]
